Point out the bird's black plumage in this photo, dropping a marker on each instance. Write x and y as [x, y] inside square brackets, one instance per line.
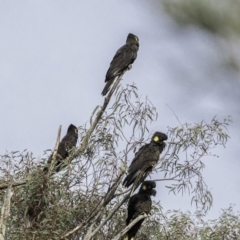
[67, 143]
[138, 204]
[125, 56]
[145, 160]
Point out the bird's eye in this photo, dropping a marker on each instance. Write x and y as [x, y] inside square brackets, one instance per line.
[156, 139]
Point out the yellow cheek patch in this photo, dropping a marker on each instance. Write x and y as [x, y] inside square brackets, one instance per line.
[156, 139]
[76, 130]
[144, 187]
[136, 38]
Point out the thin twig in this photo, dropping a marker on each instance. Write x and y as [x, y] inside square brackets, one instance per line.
[166, 179]
[119, 194]
[174, 114]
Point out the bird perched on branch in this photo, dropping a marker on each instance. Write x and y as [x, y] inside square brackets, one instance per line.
[145, 160]
[122, 60]
[138, 204]
[65, 146]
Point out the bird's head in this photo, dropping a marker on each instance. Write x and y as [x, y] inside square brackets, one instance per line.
[132, 38]
[159, 138]
[148, 187]
[72, 129]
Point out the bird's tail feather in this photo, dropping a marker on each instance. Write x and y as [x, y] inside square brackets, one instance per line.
[107, 86]
[129, 179]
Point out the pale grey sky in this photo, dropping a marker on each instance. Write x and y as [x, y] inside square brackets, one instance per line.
[54, 56]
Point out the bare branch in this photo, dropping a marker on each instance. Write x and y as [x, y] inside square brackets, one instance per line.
[13, 184]
[84, 143]
[96, 213]
[111, 192]
[126, 229]
[108, 217]
[89, 232]
[54, 155]
[166, 179]
[5, 212]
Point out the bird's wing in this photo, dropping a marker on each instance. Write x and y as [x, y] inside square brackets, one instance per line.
[131, 207]
[142, 206]
[67, 143]
[123, 57]
[127, 52]
[137, 205]
[70, 143]
[134, 209]
[141, 158]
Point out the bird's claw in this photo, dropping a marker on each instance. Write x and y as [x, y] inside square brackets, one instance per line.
[129, 67]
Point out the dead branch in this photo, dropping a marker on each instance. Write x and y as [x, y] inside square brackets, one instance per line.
[54, 155]
[107, 218]
[5, 184]
[126, 229]
[84, 143]
[111, 191]
[5, 212]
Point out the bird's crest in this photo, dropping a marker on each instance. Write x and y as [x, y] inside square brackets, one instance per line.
[134, 37]
[72, 128]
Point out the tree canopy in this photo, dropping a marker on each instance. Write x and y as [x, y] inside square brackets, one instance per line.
[86, 200]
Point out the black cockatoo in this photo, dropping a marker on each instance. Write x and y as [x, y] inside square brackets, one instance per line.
[65, 146]
[124, 57]
[145, 160]
[138, 204]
